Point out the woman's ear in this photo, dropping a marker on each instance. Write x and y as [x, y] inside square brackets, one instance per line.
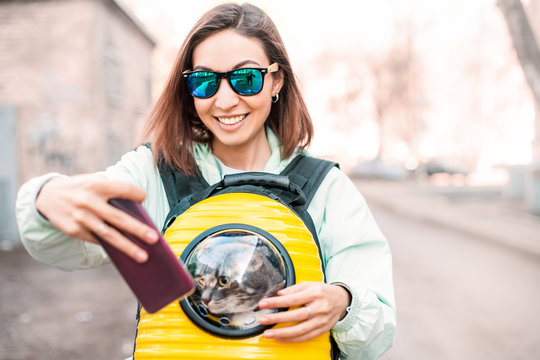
[277, 82]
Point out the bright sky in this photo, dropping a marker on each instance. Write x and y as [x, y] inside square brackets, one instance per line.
[477, 109]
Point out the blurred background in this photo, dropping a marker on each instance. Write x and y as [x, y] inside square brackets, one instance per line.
[432, 107]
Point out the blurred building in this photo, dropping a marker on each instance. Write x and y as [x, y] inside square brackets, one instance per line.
[75, 86]
[533, 185]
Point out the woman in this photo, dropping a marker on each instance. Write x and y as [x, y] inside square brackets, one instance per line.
[228, 124]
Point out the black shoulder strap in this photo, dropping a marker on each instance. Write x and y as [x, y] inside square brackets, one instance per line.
[178, 185]
[305, 171]
[308, 173]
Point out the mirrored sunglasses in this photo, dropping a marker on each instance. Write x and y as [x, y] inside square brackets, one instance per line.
[243, 81]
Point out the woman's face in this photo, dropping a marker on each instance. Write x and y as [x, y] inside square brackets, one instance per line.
[236, 121]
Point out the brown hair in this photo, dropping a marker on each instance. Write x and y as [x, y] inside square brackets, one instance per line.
[173, 119]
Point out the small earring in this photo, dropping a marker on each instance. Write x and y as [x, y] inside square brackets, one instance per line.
[200, 133]
[275, 98]
[199, 129]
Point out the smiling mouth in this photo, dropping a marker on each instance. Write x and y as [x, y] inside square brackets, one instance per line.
[231, 120]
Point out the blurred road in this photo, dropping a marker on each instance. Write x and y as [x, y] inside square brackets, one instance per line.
[466, 273]
[459, 297]
[47, 313]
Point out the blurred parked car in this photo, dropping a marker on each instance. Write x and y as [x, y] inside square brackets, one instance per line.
[433, 167]
[376, 169]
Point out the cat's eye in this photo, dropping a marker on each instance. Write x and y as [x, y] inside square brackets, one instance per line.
[223, 281]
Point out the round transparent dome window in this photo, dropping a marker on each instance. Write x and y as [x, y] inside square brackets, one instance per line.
[234, 266]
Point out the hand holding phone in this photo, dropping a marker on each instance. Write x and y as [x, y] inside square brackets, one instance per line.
[160, 280]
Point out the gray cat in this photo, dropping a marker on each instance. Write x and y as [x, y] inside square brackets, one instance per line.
[233, 275]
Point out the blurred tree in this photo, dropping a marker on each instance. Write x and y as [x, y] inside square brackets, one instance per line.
[528, 54]
[397, 93]
[524, 42]
[383, 86]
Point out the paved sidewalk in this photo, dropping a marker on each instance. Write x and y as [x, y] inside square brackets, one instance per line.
[481, 212]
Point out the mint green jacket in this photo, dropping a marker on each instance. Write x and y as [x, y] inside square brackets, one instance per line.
[354, 250]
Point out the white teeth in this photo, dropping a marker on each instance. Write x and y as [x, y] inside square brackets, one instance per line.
[231, 120]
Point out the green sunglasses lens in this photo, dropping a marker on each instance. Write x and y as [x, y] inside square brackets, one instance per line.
[202, 84]
[246, 81]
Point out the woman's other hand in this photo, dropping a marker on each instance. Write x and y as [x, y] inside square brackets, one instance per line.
[78, 206]
[321, 307]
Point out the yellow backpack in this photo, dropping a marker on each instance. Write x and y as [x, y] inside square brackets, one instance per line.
[242, 239]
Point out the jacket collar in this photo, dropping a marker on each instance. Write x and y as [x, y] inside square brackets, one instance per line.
[211, 169]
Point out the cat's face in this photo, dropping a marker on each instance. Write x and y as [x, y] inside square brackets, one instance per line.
[221, 294]
[237, 278]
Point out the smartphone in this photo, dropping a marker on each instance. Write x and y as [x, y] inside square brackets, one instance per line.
[160, 280]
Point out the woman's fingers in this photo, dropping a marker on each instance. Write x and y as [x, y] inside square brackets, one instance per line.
[295, 295]
[309, 324]
[124, 221]
[88, 236]
[116, 239]
[296, 315]
[92, 226]
[112, 188]
[94, 200]
[116, 189]
[301, 332]
[79, 207]
[314, 308]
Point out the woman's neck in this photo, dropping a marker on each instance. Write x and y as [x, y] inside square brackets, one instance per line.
[249, 157]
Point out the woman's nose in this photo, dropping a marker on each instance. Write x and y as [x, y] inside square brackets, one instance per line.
[226, 98]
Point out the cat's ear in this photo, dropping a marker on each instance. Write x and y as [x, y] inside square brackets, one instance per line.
[256, 262]
[264, 249]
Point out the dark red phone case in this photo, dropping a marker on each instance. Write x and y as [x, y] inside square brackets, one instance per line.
[159, 281]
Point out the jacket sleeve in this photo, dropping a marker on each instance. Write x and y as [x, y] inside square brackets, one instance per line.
[357, 256]
[48, 245]
[43, 241]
